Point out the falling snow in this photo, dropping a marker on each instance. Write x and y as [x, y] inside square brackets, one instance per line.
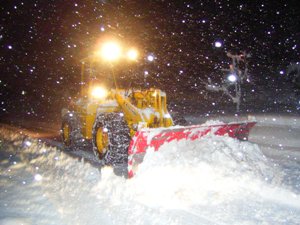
[182, 47]
[42, 41]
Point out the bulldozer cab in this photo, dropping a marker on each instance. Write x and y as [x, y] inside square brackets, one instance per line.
[93, 79]
[139, 106]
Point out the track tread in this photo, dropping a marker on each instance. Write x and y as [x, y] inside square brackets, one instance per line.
[119, 138]
[76, 137]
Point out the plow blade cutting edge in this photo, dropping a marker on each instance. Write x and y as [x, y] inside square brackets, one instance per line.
[154, 138]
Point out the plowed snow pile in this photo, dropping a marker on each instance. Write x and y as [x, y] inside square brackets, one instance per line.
[215, 180]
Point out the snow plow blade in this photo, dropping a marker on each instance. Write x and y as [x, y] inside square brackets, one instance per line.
[156, 137]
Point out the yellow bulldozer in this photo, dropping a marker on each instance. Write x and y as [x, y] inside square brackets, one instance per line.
[123, 123]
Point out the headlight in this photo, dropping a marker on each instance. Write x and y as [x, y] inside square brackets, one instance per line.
[99, 92]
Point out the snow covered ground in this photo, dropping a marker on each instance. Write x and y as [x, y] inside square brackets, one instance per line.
[214, 180]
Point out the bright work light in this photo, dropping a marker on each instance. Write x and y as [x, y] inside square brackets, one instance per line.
[132, 54]
[111, 51]
[99, 92]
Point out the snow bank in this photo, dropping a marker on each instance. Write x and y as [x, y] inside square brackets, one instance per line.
[41, 185]
[215, 180]
[191, 180]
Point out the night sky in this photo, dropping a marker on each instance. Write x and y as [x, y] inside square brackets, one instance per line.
[42, 42]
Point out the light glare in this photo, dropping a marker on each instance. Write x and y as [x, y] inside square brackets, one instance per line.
[111, 51]
[132, 54]
[232, 78]
[99, 92]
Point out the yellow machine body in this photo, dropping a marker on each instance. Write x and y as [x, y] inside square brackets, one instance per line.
[141, 108]
[114, 119]
[93, 115]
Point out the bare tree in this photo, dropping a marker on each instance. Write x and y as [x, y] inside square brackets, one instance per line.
[235, 77]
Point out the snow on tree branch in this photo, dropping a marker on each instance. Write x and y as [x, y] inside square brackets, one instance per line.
[236, 75]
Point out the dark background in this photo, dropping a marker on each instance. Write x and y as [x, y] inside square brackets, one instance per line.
[42, 42]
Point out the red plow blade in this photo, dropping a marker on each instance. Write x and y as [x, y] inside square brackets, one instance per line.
[156, 137]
